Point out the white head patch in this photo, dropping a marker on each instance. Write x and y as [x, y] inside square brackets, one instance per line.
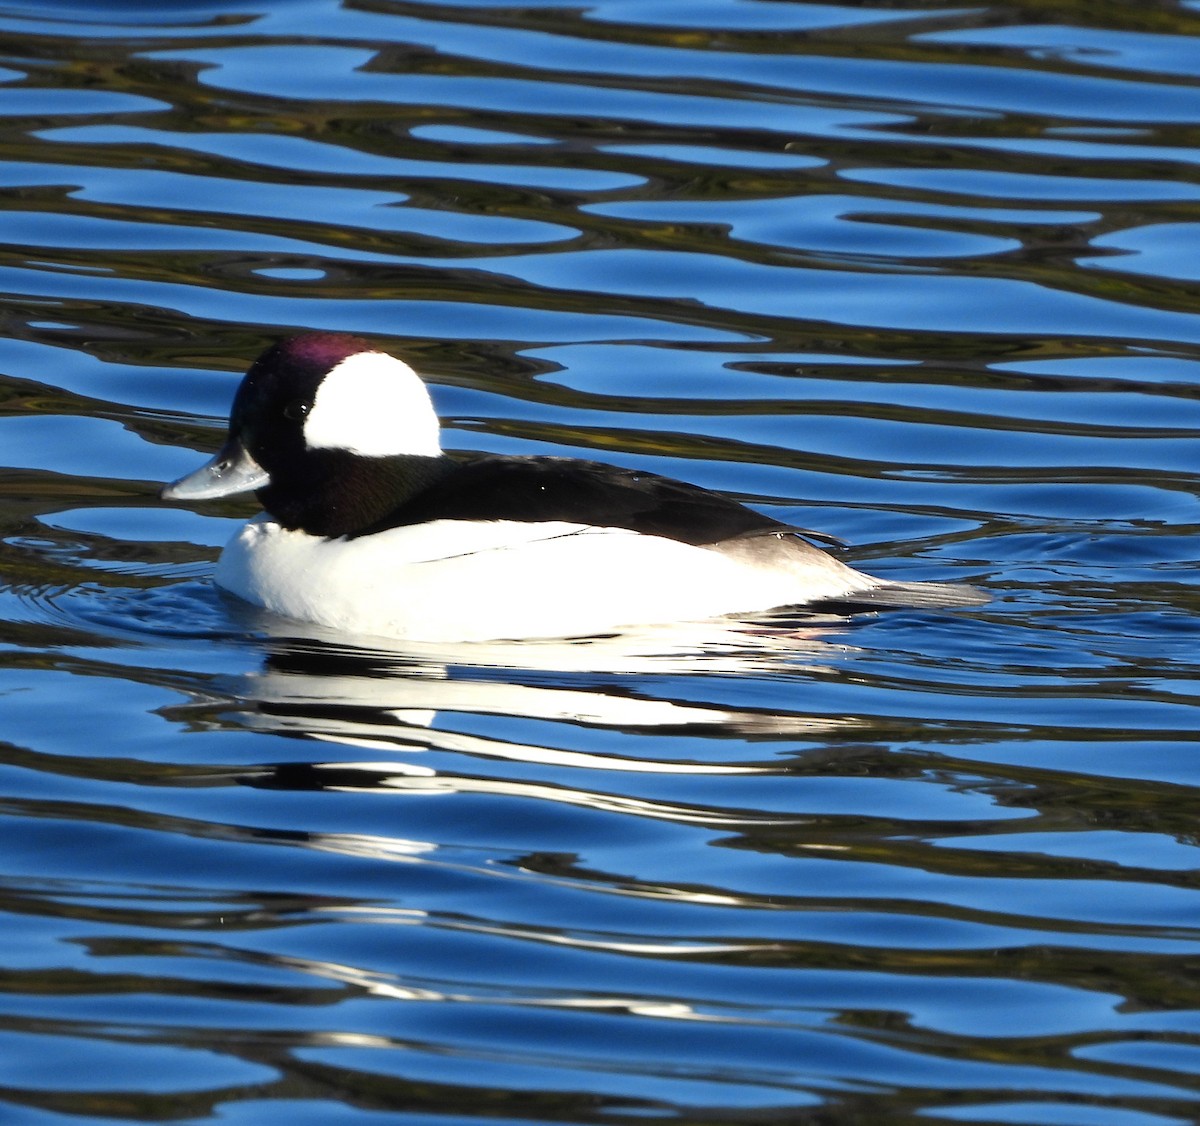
[375, 405]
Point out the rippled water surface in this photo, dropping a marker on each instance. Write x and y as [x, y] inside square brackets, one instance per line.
[920, 276]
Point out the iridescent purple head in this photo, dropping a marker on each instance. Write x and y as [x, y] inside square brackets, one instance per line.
[331, 391]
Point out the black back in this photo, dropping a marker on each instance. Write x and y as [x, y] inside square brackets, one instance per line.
[535, 489]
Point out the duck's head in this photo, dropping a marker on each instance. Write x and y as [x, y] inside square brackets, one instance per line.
[313, 400]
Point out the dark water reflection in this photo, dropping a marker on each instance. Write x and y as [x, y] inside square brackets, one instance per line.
[919, 276]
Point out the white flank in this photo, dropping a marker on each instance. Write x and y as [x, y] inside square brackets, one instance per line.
[375, 405]
[462, 581]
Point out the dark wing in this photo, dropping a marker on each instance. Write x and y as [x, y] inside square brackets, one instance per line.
[536, 489]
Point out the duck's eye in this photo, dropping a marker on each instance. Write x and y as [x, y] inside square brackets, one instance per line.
[295, 410]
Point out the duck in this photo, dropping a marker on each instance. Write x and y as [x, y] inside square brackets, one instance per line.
[369, 527]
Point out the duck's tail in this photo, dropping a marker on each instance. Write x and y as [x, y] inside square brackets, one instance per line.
[903, 596]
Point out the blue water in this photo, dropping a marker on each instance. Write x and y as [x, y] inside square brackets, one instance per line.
[920, 276]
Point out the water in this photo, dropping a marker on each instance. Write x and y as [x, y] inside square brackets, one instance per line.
[919, 276]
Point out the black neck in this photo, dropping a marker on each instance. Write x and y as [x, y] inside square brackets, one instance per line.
[343, 494]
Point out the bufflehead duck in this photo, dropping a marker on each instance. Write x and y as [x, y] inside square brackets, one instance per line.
[370, 528]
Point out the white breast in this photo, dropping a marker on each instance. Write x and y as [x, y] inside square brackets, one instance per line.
[460, 581]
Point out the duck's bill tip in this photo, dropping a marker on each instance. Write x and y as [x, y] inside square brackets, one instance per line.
[230, 471]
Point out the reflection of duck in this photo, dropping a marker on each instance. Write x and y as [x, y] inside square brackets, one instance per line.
[505, 720]
[371, 529]
[416, 695]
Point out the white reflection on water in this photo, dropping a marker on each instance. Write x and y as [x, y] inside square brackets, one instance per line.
[393, 697]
